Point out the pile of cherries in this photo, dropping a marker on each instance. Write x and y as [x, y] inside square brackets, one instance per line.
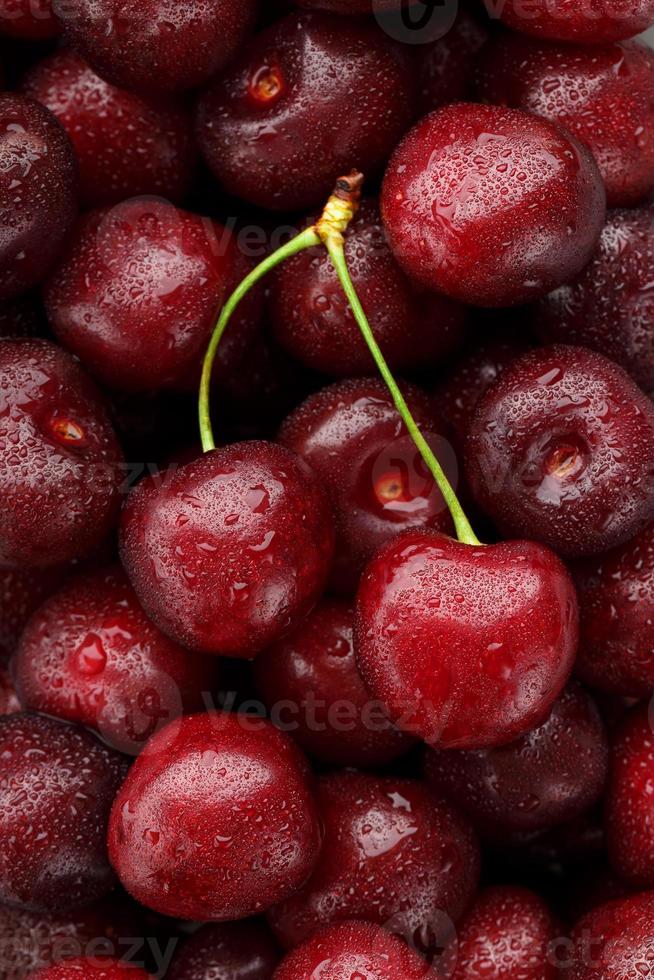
[273, 709]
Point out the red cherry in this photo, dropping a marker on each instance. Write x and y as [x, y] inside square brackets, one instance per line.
[561, 449]
[567, 20]
[445, 67]
[469, 188]
[230, 551]
[548, 777]
[60, 463]
[393, 853]
[137, 295]
[285, 147]
[230, 951]
[90, 969]
[613, 941]
[467, 647]
[21, 592]
[312, 679]
[215, 820]
[125, 145]
[30, 20]
[354, 439]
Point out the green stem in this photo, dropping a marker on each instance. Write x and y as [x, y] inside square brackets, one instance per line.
[305, 239]
[463, 527]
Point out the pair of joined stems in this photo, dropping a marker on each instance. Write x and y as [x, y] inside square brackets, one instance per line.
[329, 231]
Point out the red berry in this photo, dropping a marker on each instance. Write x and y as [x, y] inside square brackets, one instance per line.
[568, 20]
[230, 951]
[629, 827]
[21, 592]
[614, 941]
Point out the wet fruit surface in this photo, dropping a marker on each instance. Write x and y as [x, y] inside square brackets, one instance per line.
[614, 940]
[230, 951]
[565, 20]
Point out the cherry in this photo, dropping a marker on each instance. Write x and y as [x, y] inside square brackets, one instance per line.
[561, 449]
[215, 819]
[445, 67]
[137, 295]
[21, 592]
[9, 703]
[125, 145]
[567, 20]
[548, 777]
[156, 45]
[231, 951]
[353, 949]
[313, 321]
[31, 20]
[280, 125]
[311, 678]
[609, 307]
[613, 941]
[353, 438]
[59, 459]
[229, 551]
[616, 610]
[38, 191]
[393, 853]
[604, 96]
[91, 655]
[57, 784]
[86, 968]
[491, 206]
[466, 646]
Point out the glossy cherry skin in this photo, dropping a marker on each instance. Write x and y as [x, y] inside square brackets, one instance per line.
[567, 20]
[467, 647]
[609, 306]
[156, 45]
[231, 550]
[91, 655]
[604, 96]
[491, 206]
[280, 125]
[445, 67]
[229, 951]
[394, 853]
[125, 145]
[353, 437]
[613, 941]
[38, 191]
[312, 319]
[138, 294]
[57, 784]
[60, 463]
[215, 820]
[90, 968]
[561, 449]
[311, 679]
[30, 20]
[21, 592]
[551, 775]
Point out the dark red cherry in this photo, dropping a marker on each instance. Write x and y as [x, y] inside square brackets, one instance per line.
[60, 463]
[280, 125]
[603, 95]
[614, 941]
[156, 45]
[393, 853]
[551, 775]
[90, 968]
[561, 449]
[138, 294]
[215, 820]
[38, 192]
[310, 682]
[230, 551]
[30, 20]
[21, 592]
[492, 206]
[467, 647]
[354, 950]
[445, 66]
[629, 826]
[125, 145]
[354, 439]
[568, 20]
[57, 784]
[9, 703]
[313, 320]
[610, 306]
[229, 951]
[91, 655]
[616, 615]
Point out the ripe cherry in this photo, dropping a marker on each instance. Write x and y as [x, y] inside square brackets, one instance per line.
[90, 968]
[469, 188]
[313, 320]
[230, 551]
[354, 439]
[613, 941]
[57, 784]
[59, 459]
[567, 20]
[280, 125]
[550, 776]
[445, 67]
[215, 820]
[393, 853]
[230, 951]
[138, 293]
[561, 449]
[311, 679]
[21, 592]
[38, 192]
[604, 96]
[125, 145]
[30, 20]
